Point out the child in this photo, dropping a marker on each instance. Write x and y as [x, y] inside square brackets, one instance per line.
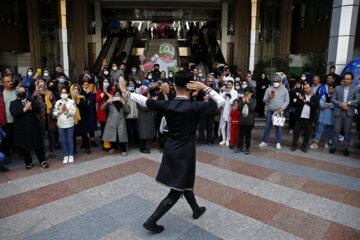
[234, 114]
[325, 118]
[246, 120]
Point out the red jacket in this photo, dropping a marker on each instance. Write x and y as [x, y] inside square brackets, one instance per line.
[101, 114]
[234, 114]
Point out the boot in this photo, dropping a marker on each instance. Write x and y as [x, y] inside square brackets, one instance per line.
[190, 198]
[163, 207]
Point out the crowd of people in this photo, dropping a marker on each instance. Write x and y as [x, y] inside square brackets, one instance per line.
[42, 106]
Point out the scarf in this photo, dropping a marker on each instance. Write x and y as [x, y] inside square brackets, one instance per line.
[117, 105]
[48, 103]
[77, 115]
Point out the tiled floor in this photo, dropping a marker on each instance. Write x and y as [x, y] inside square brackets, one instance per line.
[268, 194]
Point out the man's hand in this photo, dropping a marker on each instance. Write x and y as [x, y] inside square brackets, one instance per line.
[122, 85]
[344, 105]
[327, 105]
[280, 111]
[195, 85]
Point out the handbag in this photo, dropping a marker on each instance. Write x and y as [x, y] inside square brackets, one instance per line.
[278, 119]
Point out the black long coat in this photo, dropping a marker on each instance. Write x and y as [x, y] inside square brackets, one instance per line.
[26, 126]
[177, 169]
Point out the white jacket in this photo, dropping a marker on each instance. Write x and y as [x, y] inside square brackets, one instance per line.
[66, 119]
[228, 103]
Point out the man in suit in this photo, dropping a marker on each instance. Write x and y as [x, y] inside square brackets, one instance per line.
[345, 98]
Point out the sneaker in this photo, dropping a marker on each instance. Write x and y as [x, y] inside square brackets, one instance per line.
[238, 150]
[247, 151]
[315, 145]
[66, 159]
[278, 146]
[222, 143]
[71, 159]
[227, 143]
[326, 145]
[124, 154]
[263, 144]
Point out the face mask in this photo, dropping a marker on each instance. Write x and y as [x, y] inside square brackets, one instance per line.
[22, 95]
[303, 78]
[276, 84]
[114, 68]
[46, 74]
[237, 87]
[64, 96]
[106, 72]
[227, 75]
[75, 92]
[211, 85]
[106, 84]
[200, 74]
[122, 69]
[133, 70]
[170, 76]
[116, 95]
[30, 74]
[243, 86]
[131, 87]
[42, 89]
[150, 77]
[61, 80]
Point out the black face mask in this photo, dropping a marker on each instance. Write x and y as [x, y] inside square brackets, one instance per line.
[22, 95]
[211, 85]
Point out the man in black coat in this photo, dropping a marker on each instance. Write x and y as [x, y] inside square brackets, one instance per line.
[177, 169]
[27, 128]
[306, 106]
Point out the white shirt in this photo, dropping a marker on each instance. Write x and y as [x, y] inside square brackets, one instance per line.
[346, 93]
[306, 109]
[66, 119]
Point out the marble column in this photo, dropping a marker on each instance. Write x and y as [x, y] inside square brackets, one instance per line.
[254, 33]
[63, 37]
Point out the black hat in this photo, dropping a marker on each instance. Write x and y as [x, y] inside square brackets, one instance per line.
[183, 77]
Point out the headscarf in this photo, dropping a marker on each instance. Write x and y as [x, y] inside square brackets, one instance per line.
[77, 116]
[48, 103]
[143, 89]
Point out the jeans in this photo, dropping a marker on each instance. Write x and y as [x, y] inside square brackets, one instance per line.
[268, 129]
[67, 140]
[320, 130]
[51, 137]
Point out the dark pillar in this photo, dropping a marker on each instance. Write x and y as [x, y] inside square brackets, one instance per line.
[34, 34]
[242, 29]
[80, 30]
[285, 32]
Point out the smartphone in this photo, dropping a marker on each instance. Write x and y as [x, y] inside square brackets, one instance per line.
[104, 61]
[116, 98]
[39, 70]
[131, 87]
[222, 65]
[272, 92]
[227, 90]
[117, 80]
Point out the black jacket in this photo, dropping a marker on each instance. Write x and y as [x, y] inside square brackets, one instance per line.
[313, 103]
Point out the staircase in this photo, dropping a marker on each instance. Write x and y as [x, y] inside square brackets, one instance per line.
[154, 45]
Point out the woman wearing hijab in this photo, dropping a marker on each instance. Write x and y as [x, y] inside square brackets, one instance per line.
[261, 85]
[102, 95]
[115, 128]
[146, 123]
[80, 117]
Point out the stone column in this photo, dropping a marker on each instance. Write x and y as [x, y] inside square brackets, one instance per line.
[254, 33]
[224, 29]
[33, 27]
[342, 33]
[98, 27]
[285, 32]
[63, 38]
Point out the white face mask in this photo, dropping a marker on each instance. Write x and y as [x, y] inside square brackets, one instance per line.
[114, 68]
[46, 74]
[276, 84]
[64, 96]
[29, 74]
[237, 87]
[303, 78]
[106, 72]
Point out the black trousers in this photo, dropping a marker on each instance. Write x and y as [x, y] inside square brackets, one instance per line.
[102, 127]
[244, 132]
[132, 131]
[302, 124]
[85, 140]
[142, 144]
[216, 127]
[27, 156]
[8, 143]
[292, 120]
[162, 139]
[206, 122]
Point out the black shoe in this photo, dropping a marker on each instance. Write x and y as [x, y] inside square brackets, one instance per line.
[28, 167]
[238, 150]
[304, 149]
[198, 212]
[293, 148]
[346, 153]
[147, 148]
[44, 164]
[247, 151]
[332, 150]
[3, 169]
[88, 151]
[93, 144]
[145, 151]
[231, 146]
[153, 227]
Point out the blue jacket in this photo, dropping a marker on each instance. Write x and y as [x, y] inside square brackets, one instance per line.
[326, 114]
[323, 90]
[29, 83]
